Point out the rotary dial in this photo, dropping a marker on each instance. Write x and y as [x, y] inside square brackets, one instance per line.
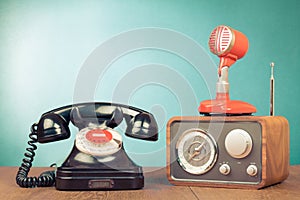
[98, 142]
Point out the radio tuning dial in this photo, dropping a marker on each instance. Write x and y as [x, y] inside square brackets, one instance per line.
[196, 151]
[224, 169]
[238, 143]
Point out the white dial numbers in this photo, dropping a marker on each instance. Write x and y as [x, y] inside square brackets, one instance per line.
[98, 142]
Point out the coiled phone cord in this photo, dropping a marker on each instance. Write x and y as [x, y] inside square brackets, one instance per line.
[46, 179]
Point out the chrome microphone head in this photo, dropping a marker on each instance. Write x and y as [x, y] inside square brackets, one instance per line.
[227, 43]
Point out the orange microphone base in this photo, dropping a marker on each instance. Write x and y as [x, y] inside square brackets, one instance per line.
[224, 106]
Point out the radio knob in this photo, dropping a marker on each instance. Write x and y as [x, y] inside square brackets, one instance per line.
[238, 143]
[252, 170]
[224, 169]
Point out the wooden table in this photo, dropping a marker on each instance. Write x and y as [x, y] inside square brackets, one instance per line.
[156, 187]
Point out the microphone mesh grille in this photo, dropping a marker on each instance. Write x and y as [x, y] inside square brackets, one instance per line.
[220, 40]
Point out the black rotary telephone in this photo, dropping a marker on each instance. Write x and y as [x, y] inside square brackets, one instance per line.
[98, 160]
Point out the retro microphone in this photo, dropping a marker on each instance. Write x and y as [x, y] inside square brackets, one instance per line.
[230, 45]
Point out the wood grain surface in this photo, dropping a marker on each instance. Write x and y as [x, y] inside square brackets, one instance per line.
[156, 187]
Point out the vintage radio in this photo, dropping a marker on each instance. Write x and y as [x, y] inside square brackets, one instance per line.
[228, 146]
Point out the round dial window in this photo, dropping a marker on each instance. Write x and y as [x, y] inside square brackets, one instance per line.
[196, 151]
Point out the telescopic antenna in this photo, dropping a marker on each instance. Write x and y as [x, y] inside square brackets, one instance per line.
[272, 85]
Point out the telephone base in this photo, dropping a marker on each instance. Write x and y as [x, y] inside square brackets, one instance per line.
[70, 178]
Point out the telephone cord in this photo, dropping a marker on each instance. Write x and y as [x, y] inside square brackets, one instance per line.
[46, 179]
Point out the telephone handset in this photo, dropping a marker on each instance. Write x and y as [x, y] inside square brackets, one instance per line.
[98, 160]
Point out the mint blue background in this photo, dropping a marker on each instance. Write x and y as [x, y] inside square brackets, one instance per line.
[43, 46]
